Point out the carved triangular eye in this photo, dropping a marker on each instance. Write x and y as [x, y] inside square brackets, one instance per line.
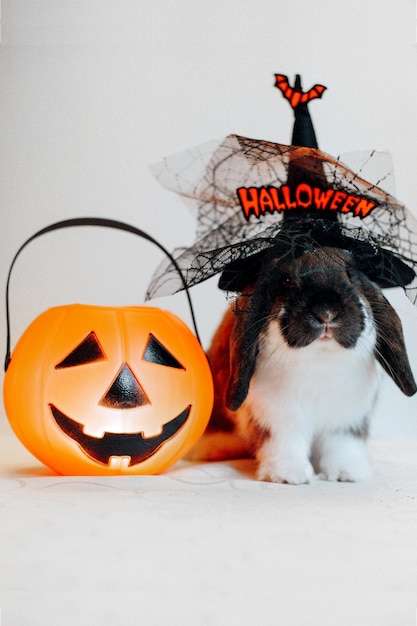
[156, 353]
[88, 351]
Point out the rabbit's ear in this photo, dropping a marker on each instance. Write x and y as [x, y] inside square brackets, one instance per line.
[390, 347]
[244, 342]
[241, 273]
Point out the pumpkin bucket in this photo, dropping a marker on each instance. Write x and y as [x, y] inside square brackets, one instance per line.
[96, 390]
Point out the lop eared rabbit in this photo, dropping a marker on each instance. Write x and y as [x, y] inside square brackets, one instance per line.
[295, 370]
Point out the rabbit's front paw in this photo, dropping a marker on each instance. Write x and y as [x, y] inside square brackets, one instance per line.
[344, 458]
[335, 469]
[295, 471]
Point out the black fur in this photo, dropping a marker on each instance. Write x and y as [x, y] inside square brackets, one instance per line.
[318, 287]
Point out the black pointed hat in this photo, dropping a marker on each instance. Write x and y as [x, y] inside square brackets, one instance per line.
[304, 169]
[303, 131]
[257, 199]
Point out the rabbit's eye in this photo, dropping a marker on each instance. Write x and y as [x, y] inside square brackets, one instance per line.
[287, 282]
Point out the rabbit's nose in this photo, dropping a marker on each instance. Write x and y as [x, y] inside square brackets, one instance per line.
[325, 316]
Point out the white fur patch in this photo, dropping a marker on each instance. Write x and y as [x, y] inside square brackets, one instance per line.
[316, 394]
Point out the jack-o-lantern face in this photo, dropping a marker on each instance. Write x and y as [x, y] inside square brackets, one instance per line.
[97, 390]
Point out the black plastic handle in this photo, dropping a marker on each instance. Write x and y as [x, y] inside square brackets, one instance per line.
[90, 221]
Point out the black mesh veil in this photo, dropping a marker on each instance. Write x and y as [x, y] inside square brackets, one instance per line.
[281, 215]
[257, 200]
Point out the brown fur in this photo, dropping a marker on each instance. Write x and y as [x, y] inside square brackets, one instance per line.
[317, 280]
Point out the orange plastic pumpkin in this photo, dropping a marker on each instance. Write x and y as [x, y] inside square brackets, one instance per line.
[100, 390]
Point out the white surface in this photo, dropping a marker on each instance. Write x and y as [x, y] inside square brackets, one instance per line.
[208, 545]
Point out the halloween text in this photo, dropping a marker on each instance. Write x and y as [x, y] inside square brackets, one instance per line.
[260, 200]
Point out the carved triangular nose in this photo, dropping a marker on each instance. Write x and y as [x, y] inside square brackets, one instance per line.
[125, 391]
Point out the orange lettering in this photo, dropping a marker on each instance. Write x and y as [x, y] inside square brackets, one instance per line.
[258, 200]
[279, 206]
[265, 200]
[337, 199]
[287, 198]
[321, 198]
[350, 202]
[249, 204]
[364, 207]
[305, 190]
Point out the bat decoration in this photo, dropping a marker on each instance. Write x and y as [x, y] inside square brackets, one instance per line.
[254, 198]
[295, 95]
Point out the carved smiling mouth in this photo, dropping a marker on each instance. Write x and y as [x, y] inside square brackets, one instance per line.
[133, 445]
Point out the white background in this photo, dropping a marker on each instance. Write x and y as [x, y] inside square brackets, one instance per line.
[94, 91]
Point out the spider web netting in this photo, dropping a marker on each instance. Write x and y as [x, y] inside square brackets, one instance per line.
[384, 241]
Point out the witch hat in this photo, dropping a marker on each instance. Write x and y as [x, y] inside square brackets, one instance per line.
[300, 224]
[297, 198]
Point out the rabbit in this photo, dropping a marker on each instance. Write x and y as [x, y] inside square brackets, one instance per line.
[295, 370]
